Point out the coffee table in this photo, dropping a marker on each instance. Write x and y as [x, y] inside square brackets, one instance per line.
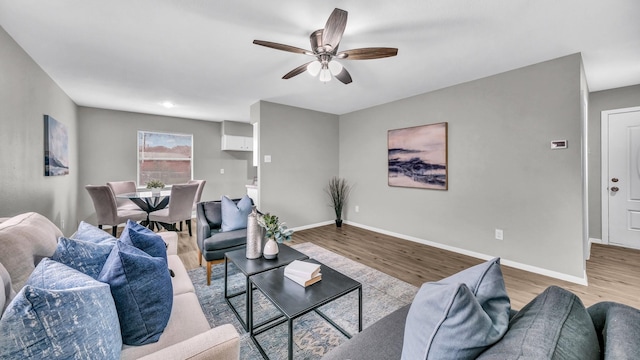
[250, 267]
[294, 300]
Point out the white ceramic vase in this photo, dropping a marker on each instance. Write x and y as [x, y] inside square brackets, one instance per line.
[270, 250]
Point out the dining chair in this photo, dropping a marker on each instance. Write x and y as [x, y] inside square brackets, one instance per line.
[201, 184]
[179, 208]
[123, 187]
[107, 212]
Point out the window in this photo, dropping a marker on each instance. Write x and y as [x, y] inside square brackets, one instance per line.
[165, 157]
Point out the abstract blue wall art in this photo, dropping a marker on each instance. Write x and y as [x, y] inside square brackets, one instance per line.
[418, 157]
[56, 147]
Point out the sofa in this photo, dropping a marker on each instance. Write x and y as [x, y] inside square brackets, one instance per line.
[29, 238]
[554, 325]
[213, 241]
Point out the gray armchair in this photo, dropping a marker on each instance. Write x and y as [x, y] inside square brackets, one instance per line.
[212, 241]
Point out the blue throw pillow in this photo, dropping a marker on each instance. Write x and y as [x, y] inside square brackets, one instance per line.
[142, 290]
[84, 256]
[88, 232]
[144, 239]
[234, 216]
[458, 317]
[60, 313]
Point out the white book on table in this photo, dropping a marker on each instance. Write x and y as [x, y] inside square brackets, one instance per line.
[302, 269]
[304, 281]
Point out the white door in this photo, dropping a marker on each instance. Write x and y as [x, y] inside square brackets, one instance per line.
[621, 179]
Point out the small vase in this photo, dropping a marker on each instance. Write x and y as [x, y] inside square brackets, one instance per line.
[254, 235]
[270, 250]
[338, 222]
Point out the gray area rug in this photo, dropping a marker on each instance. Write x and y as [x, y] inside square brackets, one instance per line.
[313, 336]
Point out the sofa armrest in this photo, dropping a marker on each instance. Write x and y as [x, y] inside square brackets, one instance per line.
[618, 329]
[220, 343]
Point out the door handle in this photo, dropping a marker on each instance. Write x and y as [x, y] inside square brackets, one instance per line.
[615, 189]
[614, 180]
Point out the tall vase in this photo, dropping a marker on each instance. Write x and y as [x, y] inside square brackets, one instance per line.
[270, 249]
[254, 235]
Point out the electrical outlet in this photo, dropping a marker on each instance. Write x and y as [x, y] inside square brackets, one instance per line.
[499, 234]
[62, 224]
[357, 208]
[221, 171]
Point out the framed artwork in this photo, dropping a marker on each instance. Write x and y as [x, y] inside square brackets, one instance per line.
[418, 157]
[56, 147]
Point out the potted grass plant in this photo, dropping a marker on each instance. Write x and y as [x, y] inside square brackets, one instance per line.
[338, 191]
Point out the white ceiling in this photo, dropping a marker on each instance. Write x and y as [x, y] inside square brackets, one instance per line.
[132, 55]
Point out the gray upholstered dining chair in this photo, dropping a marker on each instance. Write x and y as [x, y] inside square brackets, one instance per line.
[179, 208]
[123, 187]
[104, 201]
[196, 200]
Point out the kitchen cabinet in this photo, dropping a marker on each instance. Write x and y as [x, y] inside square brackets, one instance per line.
[237, 143]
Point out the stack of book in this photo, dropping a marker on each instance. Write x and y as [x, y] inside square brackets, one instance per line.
[303, 273]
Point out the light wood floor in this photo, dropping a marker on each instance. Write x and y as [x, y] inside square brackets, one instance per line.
[613, 273]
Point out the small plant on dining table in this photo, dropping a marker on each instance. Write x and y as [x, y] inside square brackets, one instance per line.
[154, 184]
[274, 228]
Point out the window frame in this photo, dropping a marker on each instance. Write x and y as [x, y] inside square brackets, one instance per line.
[140, 137]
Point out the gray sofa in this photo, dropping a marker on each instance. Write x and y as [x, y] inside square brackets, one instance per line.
[27, 238]
[212, 241]
[534, 333]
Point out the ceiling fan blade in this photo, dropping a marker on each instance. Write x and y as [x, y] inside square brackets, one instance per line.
[297, 71]
[367, 53]
[334, 29]
[344, 76]
[282, 47]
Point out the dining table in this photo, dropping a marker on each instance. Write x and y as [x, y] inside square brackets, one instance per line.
[149, 201]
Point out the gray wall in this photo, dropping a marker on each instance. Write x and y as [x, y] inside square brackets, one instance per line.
[108, 140]
[600, 101]
[304, 148]
[26, 95]
[502, 173]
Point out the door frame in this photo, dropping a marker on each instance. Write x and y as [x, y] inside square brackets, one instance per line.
[604, 169]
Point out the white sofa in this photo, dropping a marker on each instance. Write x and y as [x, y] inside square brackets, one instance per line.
[27, 238]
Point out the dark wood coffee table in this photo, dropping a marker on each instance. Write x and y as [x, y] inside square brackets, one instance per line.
[251, 267]
[294, 300]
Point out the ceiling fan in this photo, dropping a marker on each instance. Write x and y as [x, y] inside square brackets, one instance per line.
[324, 47]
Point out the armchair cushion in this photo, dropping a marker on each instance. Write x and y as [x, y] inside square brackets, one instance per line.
[234, 215]
[60, 314]
[142, 290]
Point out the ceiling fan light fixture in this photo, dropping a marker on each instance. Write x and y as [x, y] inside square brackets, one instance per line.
[335, 67]
[314, 68]
[325, 74]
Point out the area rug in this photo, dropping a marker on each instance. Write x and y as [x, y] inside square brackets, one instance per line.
[312, 336]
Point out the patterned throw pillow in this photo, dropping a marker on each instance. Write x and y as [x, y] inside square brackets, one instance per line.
[60, 313]
[142, 290]
[144, 239]
[84, 256]
[88, 232]
[459, 316]
[234, 216]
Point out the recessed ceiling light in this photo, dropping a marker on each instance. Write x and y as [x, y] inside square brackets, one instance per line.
[167, 104]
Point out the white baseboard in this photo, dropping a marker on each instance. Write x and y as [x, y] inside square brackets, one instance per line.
[506, 262]
[595, 241]
[311, 226]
